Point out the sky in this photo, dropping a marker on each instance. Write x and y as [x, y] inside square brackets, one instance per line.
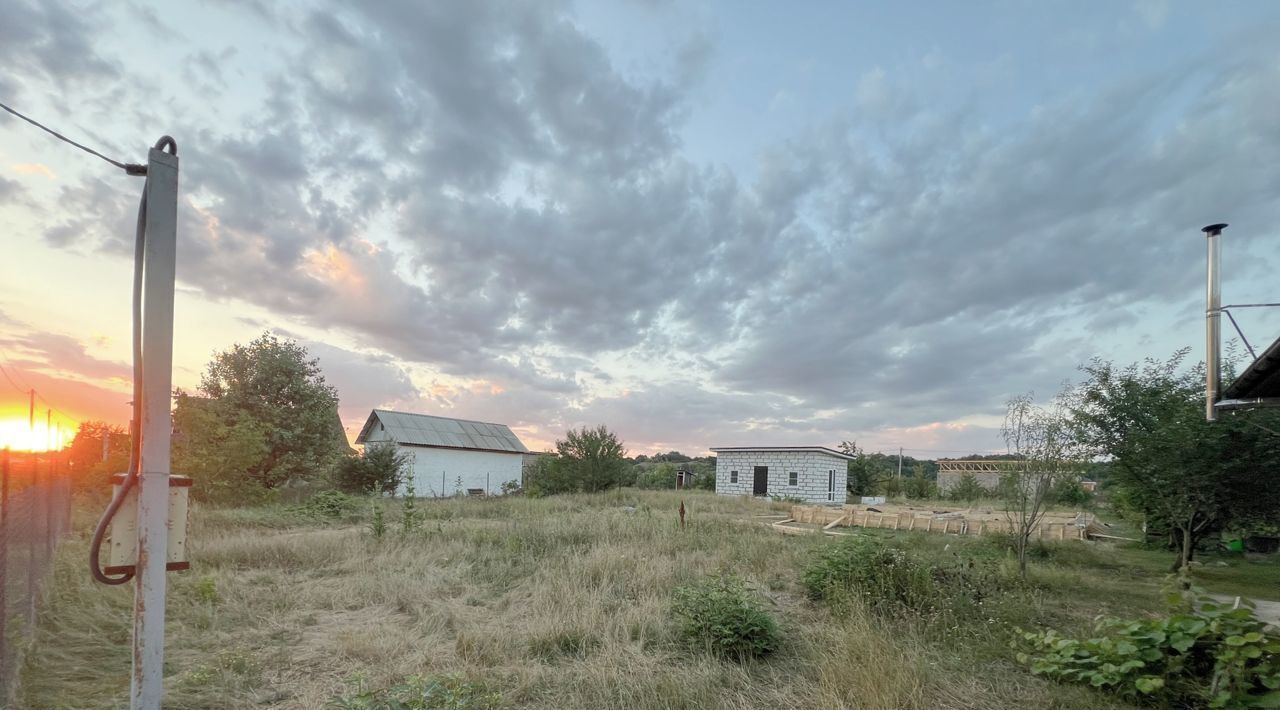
[699, 223]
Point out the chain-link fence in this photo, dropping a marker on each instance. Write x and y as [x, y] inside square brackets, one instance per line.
[35, 511]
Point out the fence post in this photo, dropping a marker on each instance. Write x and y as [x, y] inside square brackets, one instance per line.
[31, 536]
[4, 576]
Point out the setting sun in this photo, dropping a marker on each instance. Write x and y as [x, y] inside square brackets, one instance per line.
[16, 434]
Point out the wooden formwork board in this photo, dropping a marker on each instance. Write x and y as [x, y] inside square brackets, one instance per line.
[950, 522]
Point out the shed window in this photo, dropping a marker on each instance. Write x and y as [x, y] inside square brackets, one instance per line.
[793, 478]
[831, 484]
[733, 476]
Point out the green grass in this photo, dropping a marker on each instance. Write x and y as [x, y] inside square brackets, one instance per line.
[562, 602]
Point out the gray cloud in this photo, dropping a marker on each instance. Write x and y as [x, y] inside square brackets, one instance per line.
[896, 264]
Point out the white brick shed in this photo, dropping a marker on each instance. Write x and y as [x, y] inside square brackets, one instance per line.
[814, 474]
[449, 456]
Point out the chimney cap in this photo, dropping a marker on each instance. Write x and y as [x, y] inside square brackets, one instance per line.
[1214, 229]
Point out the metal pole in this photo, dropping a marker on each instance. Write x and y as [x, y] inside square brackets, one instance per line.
[899, 462]
[146, 688]
[1212, 323]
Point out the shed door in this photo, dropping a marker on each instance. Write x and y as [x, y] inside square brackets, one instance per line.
[760, 486]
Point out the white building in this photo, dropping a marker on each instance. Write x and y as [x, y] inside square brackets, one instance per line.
[814, 474]
[450, 456]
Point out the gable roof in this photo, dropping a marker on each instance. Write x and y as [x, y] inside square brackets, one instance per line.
[442, 432]
[813, 449]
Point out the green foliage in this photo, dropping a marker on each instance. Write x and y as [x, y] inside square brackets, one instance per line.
[510, 487]
[271, 394]
[660, 477]
[206, 589]
[378, 522]
[967, 488]
[586, 460]
[1068, 491]
[723, 616]
[330, 505]
[451, 692]
[1167, 462]
[410, 517]
[1202, 654]
[217, 448]
[377, 469]
[85, 454]
[919, 488]
[704, 475]
[903, 582]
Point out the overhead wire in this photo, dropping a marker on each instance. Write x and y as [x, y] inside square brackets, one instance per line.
[129, 168]
[135, 453]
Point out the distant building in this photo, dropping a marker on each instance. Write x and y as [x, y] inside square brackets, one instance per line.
[450, 456]
[814, 474]
[1089, 486]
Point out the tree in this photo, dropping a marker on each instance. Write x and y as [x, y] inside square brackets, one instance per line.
[1047, 453]
[660, 477]
[1167, 462]
[270, 386]
[380, 468]
[217, 447]
[967, 488]
[586, 460]
[85, 455]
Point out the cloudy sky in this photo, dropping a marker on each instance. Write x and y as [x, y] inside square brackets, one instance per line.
[701, 223]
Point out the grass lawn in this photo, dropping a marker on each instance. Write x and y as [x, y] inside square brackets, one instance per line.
[560, 602]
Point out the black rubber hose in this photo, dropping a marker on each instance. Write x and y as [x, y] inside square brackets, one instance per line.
[135, 450]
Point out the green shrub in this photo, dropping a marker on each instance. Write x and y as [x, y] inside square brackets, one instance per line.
[1203, 654]
[410, 517]
[378, 469]
[900, 582]
[660, 477]
[378, 522]
[967, 488]
[724, 617]
[451, 692]
[328, 504]
[882, 576]
[919, 488]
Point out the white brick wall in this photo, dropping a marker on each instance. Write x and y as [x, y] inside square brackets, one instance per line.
[811, 467]
[436, 470]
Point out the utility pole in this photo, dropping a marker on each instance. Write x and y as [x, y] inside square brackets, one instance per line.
[48, 429]
[899, 462]
[146, 689]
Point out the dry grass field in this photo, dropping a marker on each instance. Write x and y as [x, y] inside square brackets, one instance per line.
[560, 602]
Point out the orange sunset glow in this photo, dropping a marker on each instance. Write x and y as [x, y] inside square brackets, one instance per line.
[18, 434]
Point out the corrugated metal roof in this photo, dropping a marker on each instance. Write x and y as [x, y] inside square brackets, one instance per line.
[428, 430]
[1261, 380]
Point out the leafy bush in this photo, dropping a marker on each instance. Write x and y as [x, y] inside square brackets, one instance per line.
[902, 582]
[660, 477]
[377, 469]
[587, 460]
[1204, 653]
[328, 504]
[881, 575]
[1068, 491]
[919, 488]
[452, 692]
[968, 488]
[723, 616]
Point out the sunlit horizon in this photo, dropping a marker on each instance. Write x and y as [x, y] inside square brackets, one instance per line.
[17, 434]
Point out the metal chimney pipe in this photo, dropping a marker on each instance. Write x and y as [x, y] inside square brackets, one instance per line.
[1212, 323]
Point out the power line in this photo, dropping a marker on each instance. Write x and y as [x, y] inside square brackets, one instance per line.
[10, 379]
[129, 168]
